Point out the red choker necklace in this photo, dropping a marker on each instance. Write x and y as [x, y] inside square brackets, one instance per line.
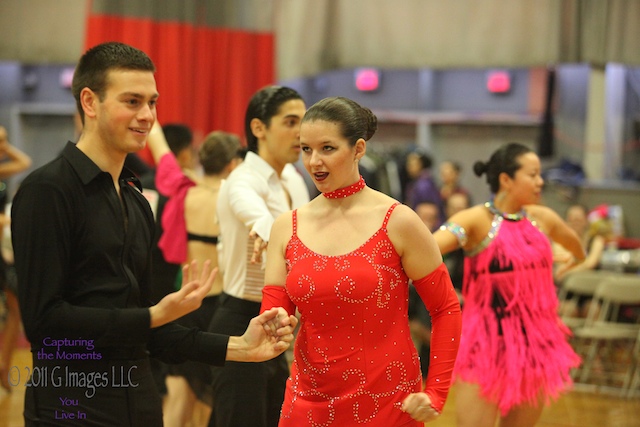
[350, 190]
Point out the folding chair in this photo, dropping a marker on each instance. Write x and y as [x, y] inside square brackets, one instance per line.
[635, 382]
[603, 327]
[572, 288]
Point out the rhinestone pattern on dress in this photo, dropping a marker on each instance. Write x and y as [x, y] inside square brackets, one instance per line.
[354, 358]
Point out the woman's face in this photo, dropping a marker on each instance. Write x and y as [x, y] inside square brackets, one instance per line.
[413, 165]
[526, 184]
[327, 155]
[448, 173]
[577, 219]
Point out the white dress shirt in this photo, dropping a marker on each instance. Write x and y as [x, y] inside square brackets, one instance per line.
[250, 199]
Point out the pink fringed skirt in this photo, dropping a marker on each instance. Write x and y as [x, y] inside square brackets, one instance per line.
[518, 353]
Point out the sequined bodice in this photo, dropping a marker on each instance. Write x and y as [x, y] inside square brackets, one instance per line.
[354, 359]
[496, 222]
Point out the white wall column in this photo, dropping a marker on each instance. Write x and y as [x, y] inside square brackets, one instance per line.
[615, 117]
[594, 148]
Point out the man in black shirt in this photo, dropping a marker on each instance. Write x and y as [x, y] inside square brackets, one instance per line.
[82, 235]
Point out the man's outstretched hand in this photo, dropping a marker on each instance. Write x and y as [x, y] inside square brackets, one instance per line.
[195, 286]
[267, 336]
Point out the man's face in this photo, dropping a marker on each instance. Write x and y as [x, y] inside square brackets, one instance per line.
[281, 142]
[127, 112]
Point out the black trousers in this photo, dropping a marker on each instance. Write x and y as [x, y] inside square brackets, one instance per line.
[106, 392]
[245, 394]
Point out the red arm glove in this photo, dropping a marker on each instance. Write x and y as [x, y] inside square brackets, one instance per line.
[438, 295]
[276, 296]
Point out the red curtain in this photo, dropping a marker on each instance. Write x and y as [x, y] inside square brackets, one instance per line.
[205, 75]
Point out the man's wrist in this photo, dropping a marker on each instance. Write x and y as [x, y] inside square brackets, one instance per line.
[236, 349]
[155, 313]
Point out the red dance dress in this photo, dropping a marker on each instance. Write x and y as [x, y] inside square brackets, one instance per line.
[354, 360]
[513, 343]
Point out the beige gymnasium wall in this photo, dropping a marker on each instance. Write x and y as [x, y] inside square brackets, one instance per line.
[42, 31]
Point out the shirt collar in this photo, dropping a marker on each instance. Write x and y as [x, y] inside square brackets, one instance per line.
[87, 170]
[259, 165]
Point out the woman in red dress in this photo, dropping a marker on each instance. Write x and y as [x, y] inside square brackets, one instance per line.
[344, 260]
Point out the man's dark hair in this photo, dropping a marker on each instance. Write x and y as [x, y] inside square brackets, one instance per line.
[263, 105]
[94, 66]
[178, 136]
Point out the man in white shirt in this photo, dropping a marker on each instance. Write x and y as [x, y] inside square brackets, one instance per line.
[264, 186]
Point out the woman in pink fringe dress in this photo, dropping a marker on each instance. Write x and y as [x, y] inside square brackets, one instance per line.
[514, 355]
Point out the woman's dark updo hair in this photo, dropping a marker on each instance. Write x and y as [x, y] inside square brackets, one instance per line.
[354, 120]
[217, 151]
[505, 159]
[263, 105]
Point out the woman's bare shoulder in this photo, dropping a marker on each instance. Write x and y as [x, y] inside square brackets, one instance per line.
[283, 223]
[470, 215]
[543, 213]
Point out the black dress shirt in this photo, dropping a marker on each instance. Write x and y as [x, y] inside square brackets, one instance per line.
[83, 259]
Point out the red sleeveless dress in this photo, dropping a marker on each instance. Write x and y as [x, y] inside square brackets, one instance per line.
[354, 361]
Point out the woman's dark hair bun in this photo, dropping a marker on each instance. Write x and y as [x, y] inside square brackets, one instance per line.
[480, 167]
[372, 123]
